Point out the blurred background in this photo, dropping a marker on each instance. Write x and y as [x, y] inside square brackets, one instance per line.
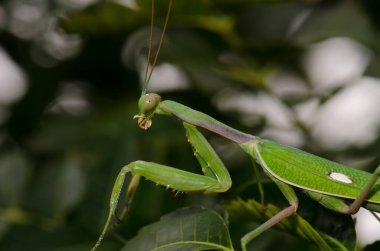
[304, 73]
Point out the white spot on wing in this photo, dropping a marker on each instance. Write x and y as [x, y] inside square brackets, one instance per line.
[340, 177]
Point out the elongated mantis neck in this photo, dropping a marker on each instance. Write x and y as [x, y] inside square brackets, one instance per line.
[151, 104]
[200, 119]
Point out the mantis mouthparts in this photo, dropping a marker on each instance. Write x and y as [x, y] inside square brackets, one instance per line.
[143, 121]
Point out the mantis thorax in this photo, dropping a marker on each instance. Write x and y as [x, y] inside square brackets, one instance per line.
[148, 104]
[249, 146]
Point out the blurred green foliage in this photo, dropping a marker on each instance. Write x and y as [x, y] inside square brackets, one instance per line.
[63, 142]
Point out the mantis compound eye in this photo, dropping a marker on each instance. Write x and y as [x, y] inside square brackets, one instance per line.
[147, 105]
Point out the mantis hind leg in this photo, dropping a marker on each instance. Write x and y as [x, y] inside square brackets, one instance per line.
[215, 179]
[358, 202]
[266, 225]
[289, 211]
[341, 206]
[286, 190]
[330, 202]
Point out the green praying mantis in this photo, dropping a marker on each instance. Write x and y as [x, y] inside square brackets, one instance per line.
[335, 186]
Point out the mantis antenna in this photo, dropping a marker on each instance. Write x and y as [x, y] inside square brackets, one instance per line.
[148, 74]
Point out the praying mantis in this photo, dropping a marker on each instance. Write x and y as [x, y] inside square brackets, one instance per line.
[335, 186]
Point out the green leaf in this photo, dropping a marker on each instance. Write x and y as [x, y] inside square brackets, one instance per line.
[191, 228]
[253, 211]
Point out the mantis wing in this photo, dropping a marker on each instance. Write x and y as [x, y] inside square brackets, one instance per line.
[313, 173]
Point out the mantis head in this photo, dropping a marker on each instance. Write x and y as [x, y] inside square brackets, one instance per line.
[148, 104]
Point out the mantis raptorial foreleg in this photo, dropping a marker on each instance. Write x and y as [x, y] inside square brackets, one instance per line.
[215, 179]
